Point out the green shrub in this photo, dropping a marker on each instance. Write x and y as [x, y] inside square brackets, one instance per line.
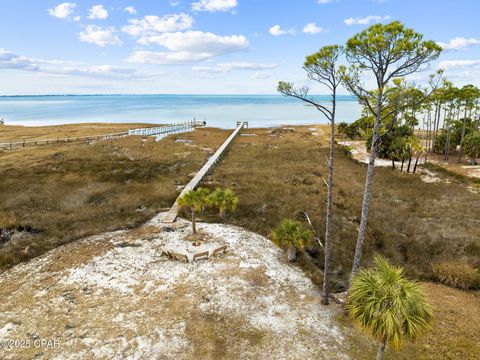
[472, 145]
[457, 274]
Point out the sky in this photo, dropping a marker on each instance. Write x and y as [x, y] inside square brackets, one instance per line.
[207, 46]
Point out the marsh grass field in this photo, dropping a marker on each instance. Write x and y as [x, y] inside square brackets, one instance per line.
[62, 192]
[20, 133]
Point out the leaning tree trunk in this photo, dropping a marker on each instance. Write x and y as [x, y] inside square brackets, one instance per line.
[291, 253]
[367, 191]
[409, 159]
[329, 215]
[416, 163]
[403, 161]
[381, 350]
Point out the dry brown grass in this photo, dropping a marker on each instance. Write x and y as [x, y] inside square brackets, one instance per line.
[217, 336]
[411, 222]
[20, 133]
[452, 165]
[457, 274]
[65, 192]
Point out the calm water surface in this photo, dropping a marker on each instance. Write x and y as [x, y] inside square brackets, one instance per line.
[218, 110]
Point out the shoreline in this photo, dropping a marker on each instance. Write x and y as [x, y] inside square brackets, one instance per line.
[77, 129]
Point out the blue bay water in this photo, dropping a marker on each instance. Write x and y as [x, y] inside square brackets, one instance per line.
[218, 110]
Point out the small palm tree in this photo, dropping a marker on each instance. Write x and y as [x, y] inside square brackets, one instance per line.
[223, 200]
[292, 236]
[195, 200]
[388, 306]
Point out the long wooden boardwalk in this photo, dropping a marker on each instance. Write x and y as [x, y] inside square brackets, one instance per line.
[172, 214]
[159, 130]
[166, 129]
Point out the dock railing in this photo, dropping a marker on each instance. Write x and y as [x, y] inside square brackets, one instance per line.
[171, 215]
[158, 130]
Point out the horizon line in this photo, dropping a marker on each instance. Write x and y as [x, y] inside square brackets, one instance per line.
[156, 94]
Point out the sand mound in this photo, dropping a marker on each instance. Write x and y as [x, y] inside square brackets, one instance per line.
[116, 296]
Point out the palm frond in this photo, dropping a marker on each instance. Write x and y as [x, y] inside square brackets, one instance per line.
[387, 305]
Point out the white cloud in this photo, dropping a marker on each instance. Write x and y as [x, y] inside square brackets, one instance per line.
[458, 64]
[12, 61]
[151, 24]
[214, 5]
[9, 60]
[96, 71]
[131, 10]
[188, 47]
[165, 58]
[99, 36]
[174, 3]
[63, 10]
[232, 66]
[366, 20]
[324, 1]
[98, 12]
[260, 76]
[312, 28]
[459, 43]
[465, 70]
[276, 30]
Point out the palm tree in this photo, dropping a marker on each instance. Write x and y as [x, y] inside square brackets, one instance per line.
[292, 236]
[223, 200]
[195, 200]
[388, 306]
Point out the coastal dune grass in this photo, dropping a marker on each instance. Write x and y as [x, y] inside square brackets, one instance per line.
[57, 193]
[280, 174]
[20, 133]
[61, 192]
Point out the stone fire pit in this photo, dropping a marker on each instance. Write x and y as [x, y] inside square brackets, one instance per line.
[184, 250]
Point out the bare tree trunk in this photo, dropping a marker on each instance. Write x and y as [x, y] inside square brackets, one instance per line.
[462, 136]
[291, 253]
[329, 215]
[403, 161]
[381, 350]
[436, 124]
[368, 190]
[194, 224]
[393, 164]
[430, 131]
[447, 146]
[416, 163]
[221, 213]
[447, 141]
[409, 159]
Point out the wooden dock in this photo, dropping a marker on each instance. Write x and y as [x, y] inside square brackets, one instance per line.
[159, 130]
[172, 214]
[166, 129]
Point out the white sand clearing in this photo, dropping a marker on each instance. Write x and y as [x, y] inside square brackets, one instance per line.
[115, 296]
